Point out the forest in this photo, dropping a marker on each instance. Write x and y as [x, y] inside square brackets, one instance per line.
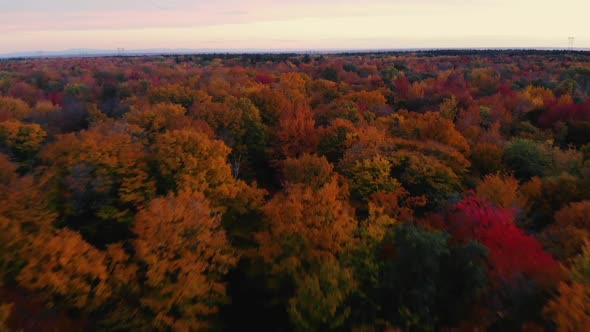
[400, 191]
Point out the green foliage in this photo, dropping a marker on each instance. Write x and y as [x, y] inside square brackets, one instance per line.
[418, 287]
[319, 303]
[526, 158]
[425, 175]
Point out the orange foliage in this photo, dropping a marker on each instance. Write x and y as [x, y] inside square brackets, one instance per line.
[570, 230]
[155, 118]
[303, 225]
[186, 253]
[105, 161]
[500, 190]
[23, 139]
[427, 127]
[73, 271]
[13, 109]
[296, 133]
[188, 159]
[308, 170]
[487, 157]
[571, 309]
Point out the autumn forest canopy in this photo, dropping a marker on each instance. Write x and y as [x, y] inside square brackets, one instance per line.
[427, 191]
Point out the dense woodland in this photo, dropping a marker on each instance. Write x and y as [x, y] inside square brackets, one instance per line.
[428, 191]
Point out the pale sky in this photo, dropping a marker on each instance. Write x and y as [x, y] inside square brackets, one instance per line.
[49, 25]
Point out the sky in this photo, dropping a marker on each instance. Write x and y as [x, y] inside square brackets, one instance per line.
[52, 25]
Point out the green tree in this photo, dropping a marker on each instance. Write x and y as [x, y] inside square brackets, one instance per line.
[526, 158]
[425, 283]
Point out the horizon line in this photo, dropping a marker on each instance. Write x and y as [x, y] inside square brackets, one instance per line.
[122, 52]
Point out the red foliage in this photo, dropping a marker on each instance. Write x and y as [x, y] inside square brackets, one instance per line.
[56, 98]
[567, 112]
[511, 251]
[263, 79]
[402, 85]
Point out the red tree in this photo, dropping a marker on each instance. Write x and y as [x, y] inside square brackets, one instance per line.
[511, 251]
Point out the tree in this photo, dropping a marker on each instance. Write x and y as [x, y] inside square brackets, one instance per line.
[372, 175]
[319, 303]
[24, 214]
[526, 158]
[332, 140]
[21, 139]
[499, 190]
[187, 159]
[7, 170]
[5, 310]
[428, 127]
[74, 272]
[418, 286]
[186, 254]
[448, 108]
[307, 170]
[295, 133]
[304, 225]
[511, 251]
[13, 109]
[155, 119]
[425, 176]
[570, 231]
[98, 178]
[172, 93]
[571, 309]
[487, 157]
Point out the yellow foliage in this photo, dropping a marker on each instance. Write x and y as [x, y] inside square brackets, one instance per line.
[155, 118]
[428, 127]
[13, 109]
[448, 108]
[24, 139]
[500, 190]
[106, 159]
[305, 225]
[538, 95]
[188, 159]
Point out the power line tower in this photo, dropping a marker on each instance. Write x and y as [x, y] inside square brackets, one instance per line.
[570, 43]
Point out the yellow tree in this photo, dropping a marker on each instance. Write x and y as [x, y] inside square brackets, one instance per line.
[570, 230]
[307, 228]
[22, 139]
[13, 109]
[189, 159]
[500, 190]
[427, 127]
[184, 248]
[99, 177]
[156, 118]
[304, 225]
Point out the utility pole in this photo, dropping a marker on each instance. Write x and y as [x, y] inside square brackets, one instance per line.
[570, 43]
